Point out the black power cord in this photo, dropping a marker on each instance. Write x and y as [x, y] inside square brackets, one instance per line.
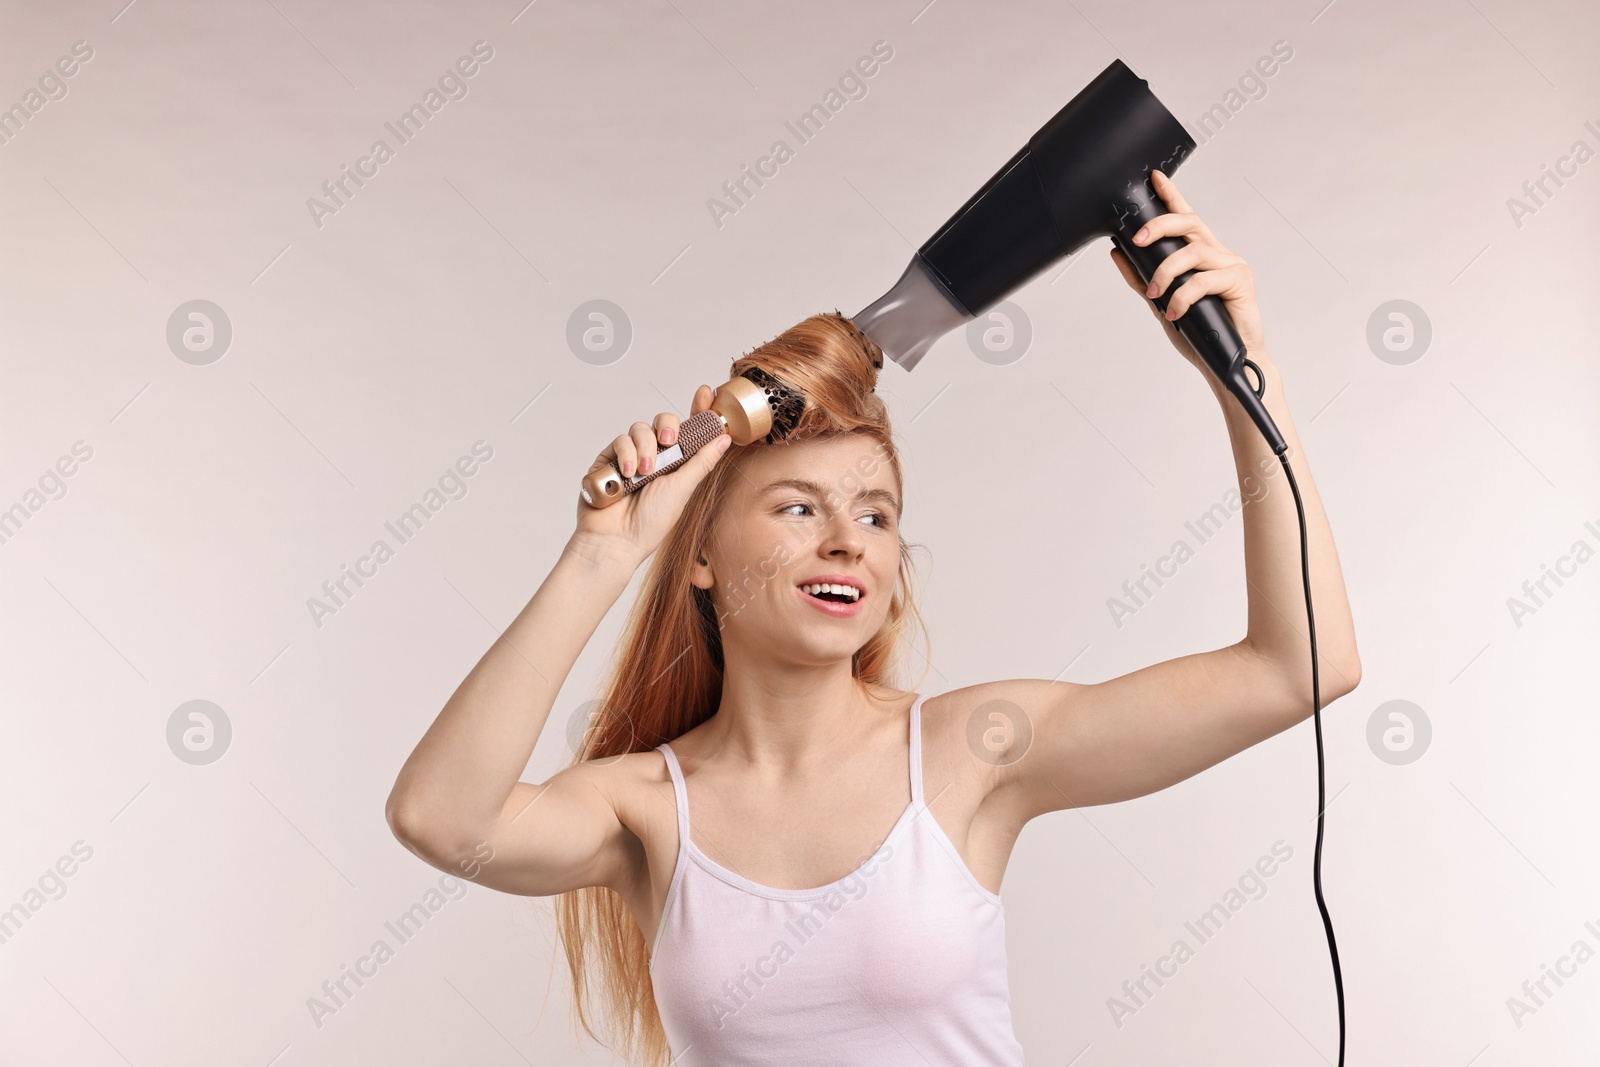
[1316, 714]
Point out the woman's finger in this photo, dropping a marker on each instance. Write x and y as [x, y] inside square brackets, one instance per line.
[1167, 189]
[1184, 224]
[644, 443]
[1131, 276]
[1194, 256]
[1180, 220]
[1226, 282]
[622, 450]
[666, 426]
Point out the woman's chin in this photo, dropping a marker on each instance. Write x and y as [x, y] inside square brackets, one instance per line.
[812, 649]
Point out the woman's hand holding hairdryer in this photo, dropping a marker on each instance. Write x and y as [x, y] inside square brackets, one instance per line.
[633, 527]
[1217, 270]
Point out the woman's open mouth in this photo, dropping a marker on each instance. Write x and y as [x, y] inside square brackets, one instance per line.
[840, 599]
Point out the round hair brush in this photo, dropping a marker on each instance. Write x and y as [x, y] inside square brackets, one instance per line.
[752, 406]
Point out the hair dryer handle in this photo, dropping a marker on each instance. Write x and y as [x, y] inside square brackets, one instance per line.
[1207, 326]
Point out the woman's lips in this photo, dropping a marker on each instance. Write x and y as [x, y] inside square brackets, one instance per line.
[840, 609]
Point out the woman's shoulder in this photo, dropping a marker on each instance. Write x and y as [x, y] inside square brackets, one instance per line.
[647, 766]
[956, 705]
[958, 729]
[634, 783]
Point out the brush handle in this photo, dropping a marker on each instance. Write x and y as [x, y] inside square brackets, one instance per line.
[606, 485]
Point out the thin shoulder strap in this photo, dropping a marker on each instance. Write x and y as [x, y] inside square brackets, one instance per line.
[680, 793]
[916, 751]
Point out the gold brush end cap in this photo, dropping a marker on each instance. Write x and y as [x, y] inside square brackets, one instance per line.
[744, 409]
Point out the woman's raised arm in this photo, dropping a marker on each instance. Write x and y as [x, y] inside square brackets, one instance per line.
[457, 801]
[1154, 727]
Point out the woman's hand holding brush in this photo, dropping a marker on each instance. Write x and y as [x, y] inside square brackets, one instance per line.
[635, 525]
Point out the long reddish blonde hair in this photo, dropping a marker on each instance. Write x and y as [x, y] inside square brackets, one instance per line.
[655, 691]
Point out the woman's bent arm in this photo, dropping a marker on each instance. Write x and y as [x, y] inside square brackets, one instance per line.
[457, 802]
[459, 791]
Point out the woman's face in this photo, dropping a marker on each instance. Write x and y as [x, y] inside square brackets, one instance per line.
[795, 515]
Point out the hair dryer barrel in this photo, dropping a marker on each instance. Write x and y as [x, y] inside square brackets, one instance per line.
[1062, 190]
[1058, 192]
[1084, 174]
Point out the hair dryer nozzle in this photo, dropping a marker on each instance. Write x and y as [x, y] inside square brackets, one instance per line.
[909, 318]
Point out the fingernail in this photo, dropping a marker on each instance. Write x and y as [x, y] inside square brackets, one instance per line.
[1151, 290]
[645, 464]
[1172, 313]
[1144, 231]
[668, 436]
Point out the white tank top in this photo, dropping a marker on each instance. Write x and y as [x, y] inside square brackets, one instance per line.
[901, 962]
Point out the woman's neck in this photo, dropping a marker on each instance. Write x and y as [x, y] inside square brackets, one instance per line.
[786, 721]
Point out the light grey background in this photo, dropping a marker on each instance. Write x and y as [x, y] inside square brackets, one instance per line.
[431, 311]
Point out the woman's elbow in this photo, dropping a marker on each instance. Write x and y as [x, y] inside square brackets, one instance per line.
[410, 822]
[1352, 675]
[1334, 680]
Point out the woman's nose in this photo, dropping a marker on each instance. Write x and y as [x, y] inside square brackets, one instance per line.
[844, 535]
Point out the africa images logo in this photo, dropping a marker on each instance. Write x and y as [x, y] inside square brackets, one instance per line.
[452, 86]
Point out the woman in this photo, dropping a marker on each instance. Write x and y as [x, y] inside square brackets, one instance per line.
[752, 689]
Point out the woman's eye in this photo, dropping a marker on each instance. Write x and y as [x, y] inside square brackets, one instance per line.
[882, 520]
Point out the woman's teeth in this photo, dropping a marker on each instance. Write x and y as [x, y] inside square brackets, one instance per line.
[849, 592]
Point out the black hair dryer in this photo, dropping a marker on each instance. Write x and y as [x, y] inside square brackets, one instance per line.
[1085, 174]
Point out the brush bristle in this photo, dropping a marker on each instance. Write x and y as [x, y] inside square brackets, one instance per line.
[787, 403]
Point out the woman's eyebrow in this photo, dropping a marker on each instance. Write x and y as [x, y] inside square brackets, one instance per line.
[808, 486]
